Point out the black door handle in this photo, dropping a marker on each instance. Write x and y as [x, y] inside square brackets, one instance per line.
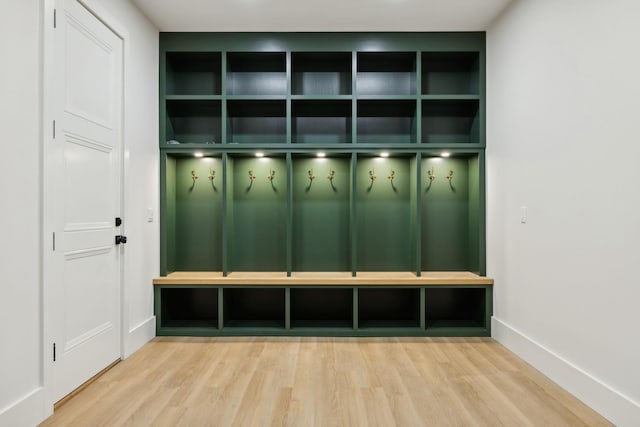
[121, 239]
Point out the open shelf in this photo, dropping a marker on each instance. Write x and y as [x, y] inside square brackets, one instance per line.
[383, 214]
[386, 73]
[193, 122]
[387, 121]
[321, 121]
[455, 307]
[388, 308]
[451, 214]
[256, 121]
[321, 73]
[450, 73]
[256, 73]
[189, 308]
[257, 213]
[193, 220]
[193, 73]
[261, 308]
[322, 308]
[450, 121]
[321, 214]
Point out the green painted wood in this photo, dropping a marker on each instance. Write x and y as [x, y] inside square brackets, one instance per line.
[383, 214]
[388, 308]
[290, 230]
[321, 73]
[423, 315]
[446, 216]
[227, 221]
[417, 211]
[356, 305]
[259, 214]
[287, 308]
[321, 214]
[193, 73]
[198, 239]
[353, 218]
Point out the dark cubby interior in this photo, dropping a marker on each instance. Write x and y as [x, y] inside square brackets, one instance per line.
[450, 73]
[193, 122]
[386, 73]
[450, 121]
[455, 307]
[321, 73]
[189, 307]
[386, 121]
[254, 121]
[254, 307]
[321, 307]
[193, 73]
[388, 307]
[323, 122]
[256, 73]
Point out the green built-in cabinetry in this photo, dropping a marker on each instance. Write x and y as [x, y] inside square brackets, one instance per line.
[339, 153]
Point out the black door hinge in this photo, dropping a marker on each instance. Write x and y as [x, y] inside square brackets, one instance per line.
[118, 221]
[54, 18]
[54, 129]
[54, 352]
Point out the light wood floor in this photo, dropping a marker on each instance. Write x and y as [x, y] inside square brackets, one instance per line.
[323, 382]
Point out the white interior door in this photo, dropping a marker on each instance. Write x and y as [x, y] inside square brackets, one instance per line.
[86, 178]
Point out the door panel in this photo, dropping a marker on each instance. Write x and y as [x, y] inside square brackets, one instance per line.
[87, 185]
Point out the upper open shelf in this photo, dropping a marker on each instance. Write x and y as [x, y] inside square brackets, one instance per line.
[321, 73]
[450, 73]
[193, 73]
[256, 73]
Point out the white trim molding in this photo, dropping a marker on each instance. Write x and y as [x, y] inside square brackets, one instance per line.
[26, 412]
[607, 401]
[139, 335]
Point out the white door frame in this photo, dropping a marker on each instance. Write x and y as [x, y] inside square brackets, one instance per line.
[48, 94]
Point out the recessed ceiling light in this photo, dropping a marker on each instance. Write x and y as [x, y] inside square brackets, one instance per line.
[321, 154]
[384, 154]
[198, 154]
[259, 154]
[445, 154]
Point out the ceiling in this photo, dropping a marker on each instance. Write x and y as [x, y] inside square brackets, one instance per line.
[322, 15]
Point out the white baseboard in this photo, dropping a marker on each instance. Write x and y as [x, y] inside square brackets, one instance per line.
[28, 411]
[610, 403]
[139, 335]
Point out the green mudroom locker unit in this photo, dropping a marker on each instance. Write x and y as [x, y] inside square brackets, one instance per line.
[323, 184]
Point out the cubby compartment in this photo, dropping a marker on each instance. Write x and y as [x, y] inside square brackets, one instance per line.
[384, 204]
[257, 213]
[450, 121]
[256, 122]
[386, 121]
[321, 73]
[322, 308]
[388, 308]
[193, 73]
[260, 308]
[256, 73]
[450, 73]
[192, 122]
[386, 73]
[184, 307]
[457, 307]
[451, 213]
[321, 189]
[321, 121]
[193, 214]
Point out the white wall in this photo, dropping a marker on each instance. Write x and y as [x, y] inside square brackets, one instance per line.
[563, 82]
[22, 384]
[20, 178]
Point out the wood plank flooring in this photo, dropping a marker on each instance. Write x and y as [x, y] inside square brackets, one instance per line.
[323, 382]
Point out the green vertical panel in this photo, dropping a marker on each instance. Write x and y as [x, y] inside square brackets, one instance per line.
[198, 238]
[353, 227]
[287, 308]
[482, 214]
[290, 235]
[223, 83]
[383, 215]
[260, 215]
[157, 307]
[355, 309]
[321, 214]
[488, 311]
[417, 194]
[168, 217]
[354, 100]
[445, 215]
[414, 225]
[474, 215]
[227, 224]
[220, 308]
